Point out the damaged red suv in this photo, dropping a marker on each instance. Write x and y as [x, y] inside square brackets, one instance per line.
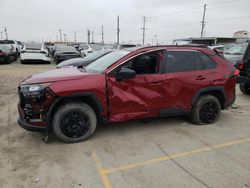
[128, 84]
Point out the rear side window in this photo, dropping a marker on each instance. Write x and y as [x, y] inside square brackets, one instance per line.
[179, 61]
[204, 62]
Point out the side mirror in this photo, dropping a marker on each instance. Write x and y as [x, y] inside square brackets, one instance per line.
[125, 73]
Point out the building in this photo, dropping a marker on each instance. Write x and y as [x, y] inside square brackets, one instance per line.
[209, 41]
[241, 34]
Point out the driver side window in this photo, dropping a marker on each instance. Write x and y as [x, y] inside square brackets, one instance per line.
[143, 64]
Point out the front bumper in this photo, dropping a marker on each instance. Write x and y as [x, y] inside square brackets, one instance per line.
[29, 127]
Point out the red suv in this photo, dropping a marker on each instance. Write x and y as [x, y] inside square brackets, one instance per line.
[128, 84]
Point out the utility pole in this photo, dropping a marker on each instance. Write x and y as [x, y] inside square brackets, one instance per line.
[143, 29]
[118, 30]
[203, 23]
[6, 33]
[88, 33]
[65, 39]
[92, 36]
[102, 36]
[74, 36]
[60, 33]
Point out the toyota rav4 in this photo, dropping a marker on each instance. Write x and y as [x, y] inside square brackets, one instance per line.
[133, 83]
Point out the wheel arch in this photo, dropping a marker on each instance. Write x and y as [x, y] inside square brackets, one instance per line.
[217, 91]
[86, 97]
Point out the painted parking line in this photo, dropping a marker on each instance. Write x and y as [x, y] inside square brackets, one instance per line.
[104, 172]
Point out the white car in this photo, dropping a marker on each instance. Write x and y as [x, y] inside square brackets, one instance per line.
[34, 53]
[86, 49]
[13, 45]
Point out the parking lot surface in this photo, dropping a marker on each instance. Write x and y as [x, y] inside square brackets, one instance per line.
[168, 152]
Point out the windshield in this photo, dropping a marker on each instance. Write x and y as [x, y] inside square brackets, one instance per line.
[237, 49]
[33, 46]
[7, 42]
[96, 47]
[65, 49]
[104, 62]
[94, 55]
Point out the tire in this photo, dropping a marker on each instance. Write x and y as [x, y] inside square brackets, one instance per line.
[206, 110]
[245, 89]
[74, 122]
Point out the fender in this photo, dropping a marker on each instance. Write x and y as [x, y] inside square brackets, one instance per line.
[209, 89]
[84, 94]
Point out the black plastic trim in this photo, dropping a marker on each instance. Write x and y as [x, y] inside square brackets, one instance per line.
[169, 112]
[209, 89]
[84, 94]
[29, 127]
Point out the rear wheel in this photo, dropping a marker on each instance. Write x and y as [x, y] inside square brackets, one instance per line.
[74, 122]
[206, 110]
[245, 89]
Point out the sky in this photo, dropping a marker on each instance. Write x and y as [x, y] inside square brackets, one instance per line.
[40, 20]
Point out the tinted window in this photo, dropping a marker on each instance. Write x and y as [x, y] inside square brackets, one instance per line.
[204, 62]
[143, 64]
[179, 61]
[7, 42]
[33, 46]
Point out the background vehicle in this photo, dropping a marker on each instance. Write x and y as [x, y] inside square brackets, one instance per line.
[122, 46]
[128, 84]
[244, 67]
[34, 53]
[235, 53]
[83, 62]
[5, 56]
[84, 49]
[14, 48]
[63, 53]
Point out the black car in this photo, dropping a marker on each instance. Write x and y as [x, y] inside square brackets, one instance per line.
[244, 67]
[63, 53]
[83, 62]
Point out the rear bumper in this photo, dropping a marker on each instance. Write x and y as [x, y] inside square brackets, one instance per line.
[29, 127]
[243, 80]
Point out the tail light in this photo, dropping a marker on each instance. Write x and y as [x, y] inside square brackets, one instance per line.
[236, 72]
[12, 47]
[241, 66]
[2, 53]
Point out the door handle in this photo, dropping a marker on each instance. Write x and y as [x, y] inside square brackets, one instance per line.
[155, 83]
[200, 77]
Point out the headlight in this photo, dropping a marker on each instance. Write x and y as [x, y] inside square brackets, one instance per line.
[34, 91]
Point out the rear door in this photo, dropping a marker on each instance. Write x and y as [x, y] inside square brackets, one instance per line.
[183, 79]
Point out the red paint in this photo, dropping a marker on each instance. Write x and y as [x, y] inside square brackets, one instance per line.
[145, 95]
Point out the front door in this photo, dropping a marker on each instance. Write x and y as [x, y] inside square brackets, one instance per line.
[138, 97]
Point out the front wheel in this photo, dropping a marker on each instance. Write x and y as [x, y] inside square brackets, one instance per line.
[206, 110]
[245, 89]
[74, 122]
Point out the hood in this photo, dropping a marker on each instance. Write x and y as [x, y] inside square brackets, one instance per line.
[69, 73]
[74, 63]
